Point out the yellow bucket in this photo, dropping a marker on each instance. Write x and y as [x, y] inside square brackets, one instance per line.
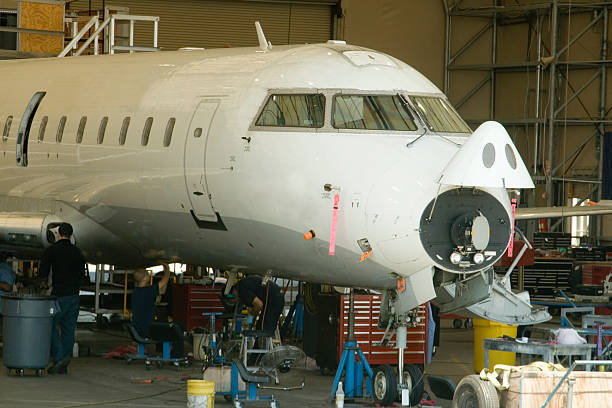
[486, 329]
[200, 394]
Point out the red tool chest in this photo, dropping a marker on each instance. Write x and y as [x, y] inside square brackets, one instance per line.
[593, 274]
[190, 301]
[367, 333]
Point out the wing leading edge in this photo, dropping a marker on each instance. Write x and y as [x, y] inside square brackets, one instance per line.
[602, 208]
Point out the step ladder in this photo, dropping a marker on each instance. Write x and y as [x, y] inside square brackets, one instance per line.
[250, 340]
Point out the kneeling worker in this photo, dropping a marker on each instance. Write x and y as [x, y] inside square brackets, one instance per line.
[261, 299]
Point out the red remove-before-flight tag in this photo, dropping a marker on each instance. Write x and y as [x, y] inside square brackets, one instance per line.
[511, 246]
[334, 225]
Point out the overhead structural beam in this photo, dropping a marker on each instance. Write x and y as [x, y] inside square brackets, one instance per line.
[447, 30]
[576, 150]
[577, 93]
[471, 93]
[579, 35]
[468, 44]
[551, 95]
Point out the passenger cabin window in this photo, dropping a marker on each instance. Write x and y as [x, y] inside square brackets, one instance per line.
[306, 110]
[81, 130]
[7, 128]
[102, 129]
[439, 114]
[371, 112]
[42, 128]
[60, 129]
[146, 132]
[169, 130]
[124, 129]
[197, 132]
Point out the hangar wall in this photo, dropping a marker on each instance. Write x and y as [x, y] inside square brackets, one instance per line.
[219, 23]
[411, 30]
[414, 31]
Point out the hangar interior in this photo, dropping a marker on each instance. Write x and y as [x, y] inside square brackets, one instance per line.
[537, 67]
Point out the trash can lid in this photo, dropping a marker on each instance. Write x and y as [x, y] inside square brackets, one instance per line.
[26, 296]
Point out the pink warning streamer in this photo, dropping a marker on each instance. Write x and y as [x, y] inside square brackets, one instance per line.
[511, 246]
[334, 225]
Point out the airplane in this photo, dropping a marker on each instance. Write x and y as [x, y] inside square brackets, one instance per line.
[327, 163]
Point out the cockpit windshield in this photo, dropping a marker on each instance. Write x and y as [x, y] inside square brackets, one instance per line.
[293, 110]
[439, 114]
[371, 112]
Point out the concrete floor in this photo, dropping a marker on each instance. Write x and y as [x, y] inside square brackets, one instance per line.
[93, 380]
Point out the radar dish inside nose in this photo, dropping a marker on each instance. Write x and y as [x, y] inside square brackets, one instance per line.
[487, 159]
[480, 232]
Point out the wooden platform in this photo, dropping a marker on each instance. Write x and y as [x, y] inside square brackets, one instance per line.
[530, 390]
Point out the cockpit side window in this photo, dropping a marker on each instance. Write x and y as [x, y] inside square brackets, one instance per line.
[293, 110]
[439, 114]
[371, 112]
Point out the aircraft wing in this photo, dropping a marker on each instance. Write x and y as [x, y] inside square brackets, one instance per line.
[601, 208]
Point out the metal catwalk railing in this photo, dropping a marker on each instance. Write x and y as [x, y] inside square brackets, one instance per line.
[111, 23]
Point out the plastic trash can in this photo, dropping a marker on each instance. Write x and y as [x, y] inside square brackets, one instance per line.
[26, 331]
[486, 329]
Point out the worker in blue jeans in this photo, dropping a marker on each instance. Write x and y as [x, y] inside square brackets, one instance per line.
[7, 280]
[66, 264]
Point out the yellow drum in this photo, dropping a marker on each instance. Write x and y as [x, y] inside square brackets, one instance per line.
[486, 329]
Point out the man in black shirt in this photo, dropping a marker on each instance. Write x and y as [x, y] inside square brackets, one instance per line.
[263, 300]
[66, 264]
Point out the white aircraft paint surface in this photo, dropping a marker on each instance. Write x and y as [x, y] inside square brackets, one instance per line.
[131, 204]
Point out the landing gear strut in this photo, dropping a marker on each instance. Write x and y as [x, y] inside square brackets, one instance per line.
[405, 384]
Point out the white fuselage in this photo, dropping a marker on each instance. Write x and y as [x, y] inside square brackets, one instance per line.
[131, 204]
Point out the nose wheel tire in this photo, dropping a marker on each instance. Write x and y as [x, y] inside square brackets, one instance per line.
[413, 378]
[384, 384]
[472, 392]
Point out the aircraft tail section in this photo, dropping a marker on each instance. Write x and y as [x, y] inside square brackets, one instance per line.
[484, 295]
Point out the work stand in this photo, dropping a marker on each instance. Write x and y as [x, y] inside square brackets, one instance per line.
[354, 368]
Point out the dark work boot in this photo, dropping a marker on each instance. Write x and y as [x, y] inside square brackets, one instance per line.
[60, 367]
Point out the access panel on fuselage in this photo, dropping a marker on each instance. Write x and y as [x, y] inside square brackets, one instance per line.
[195, 163]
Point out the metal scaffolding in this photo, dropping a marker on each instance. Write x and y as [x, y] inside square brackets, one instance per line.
[551, 62]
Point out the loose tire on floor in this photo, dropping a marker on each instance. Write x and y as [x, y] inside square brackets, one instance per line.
[384, 384]
[413, 377]
[457, 323]
[472, 392]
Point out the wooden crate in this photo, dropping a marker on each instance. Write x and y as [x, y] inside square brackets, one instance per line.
[41, 15]
[530, 390]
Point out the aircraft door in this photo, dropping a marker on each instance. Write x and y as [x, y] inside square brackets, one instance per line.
[195, 163]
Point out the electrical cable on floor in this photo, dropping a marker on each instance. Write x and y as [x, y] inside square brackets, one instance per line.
[90, 404]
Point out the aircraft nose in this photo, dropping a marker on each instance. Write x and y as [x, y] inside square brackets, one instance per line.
[465, 230]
